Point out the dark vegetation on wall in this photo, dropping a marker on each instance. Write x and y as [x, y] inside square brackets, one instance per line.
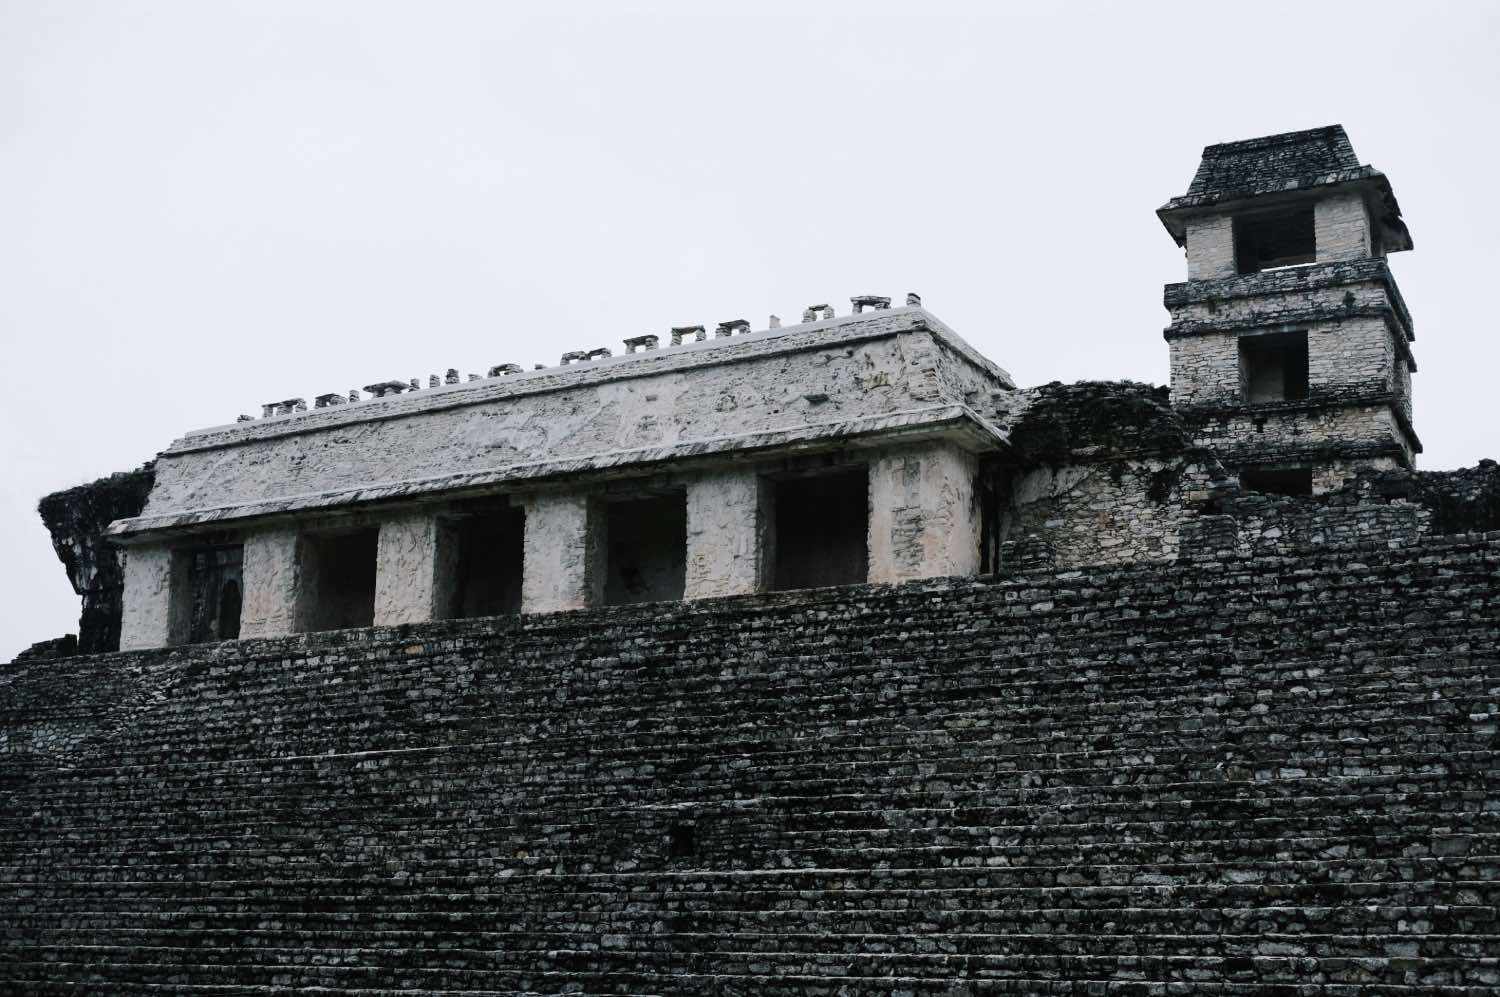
[1103, 419]
[76, 518]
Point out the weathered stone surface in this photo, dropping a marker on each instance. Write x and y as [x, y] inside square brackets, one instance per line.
[272, 579]
[77, 519]
[726, 535]
[149, 606]
[415, 568]
[562, 563]
[894, 368]
[924, 514]
[1222, 775]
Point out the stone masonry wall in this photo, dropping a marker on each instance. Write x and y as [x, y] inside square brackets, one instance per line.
[1394, 506]
[1222, 775]
[1292, 432]
[1343, 358]
[1103, 474]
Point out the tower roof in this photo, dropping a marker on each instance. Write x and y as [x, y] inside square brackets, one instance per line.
[1275, 166]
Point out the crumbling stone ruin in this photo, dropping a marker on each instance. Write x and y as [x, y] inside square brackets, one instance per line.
[816, 659]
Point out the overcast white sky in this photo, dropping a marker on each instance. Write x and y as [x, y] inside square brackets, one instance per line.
[208, 205]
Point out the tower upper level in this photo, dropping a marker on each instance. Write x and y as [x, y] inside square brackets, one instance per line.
[1291, 346]
[1283, 200]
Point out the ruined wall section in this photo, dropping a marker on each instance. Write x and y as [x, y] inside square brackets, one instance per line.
[1102, 473]
[1219, 774]
[1392, 507]
[76, 519]
[1359, 357]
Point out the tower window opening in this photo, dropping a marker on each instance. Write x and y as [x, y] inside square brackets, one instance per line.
[1275, 240]
[821, 524]
[337, 589]
[1277, 480]
[646, 549]
[1273, 368]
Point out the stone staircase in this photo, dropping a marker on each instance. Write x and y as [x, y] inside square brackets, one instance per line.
[1272, 777]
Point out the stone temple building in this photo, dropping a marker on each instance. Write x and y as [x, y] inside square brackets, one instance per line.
[813, 659]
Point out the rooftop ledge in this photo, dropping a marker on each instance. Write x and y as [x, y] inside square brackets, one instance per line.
[957, 423]
[1369, 181]
[690, 355]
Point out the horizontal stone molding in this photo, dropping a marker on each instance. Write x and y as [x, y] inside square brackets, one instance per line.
[687, 356]
[1294, 318]
[1316, 402]
[1276, 283]
[957, 422]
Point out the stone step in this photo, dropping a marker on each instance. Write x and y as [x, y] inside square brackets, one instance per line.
[635, 984]
[809, 850]
[480, 929]
[141, 964]
[395, 879]
[1054, 677]
[520, 949]
[760, 822]
[895, 931]
[1208, 729]
[786, 718]
[1434, 808]
[410, 774]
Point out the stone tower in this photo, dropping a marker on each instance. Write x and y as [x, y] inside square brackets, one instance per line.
[1290, 344]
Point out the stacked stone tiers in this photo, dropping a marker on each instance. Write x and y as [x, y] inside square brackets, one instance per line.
[1359, 332]
[1224, 775]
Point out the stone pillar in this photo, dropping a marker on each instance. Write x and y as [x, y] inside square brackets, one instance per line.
[154, 585]
[271, 577]
[1341, 227]
[924, 513]
[562, 566]
[726, 517]
[414, 570]
[1210, 247]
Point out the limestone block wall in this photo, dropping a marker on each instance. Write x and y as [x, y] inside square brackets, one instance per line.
[1261, 525]
[1301, 433]
[1098, 513]
[1358, 329]
[1341, 225]
[1210, 247]
[1218, 775]
[1343, 358]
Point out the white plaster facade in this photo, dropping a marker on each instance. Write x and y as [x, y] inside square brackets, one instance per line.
[727, 542]
[271, 576]
[414, 569]
[924, 514]
[564, 544]
[146, 620]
